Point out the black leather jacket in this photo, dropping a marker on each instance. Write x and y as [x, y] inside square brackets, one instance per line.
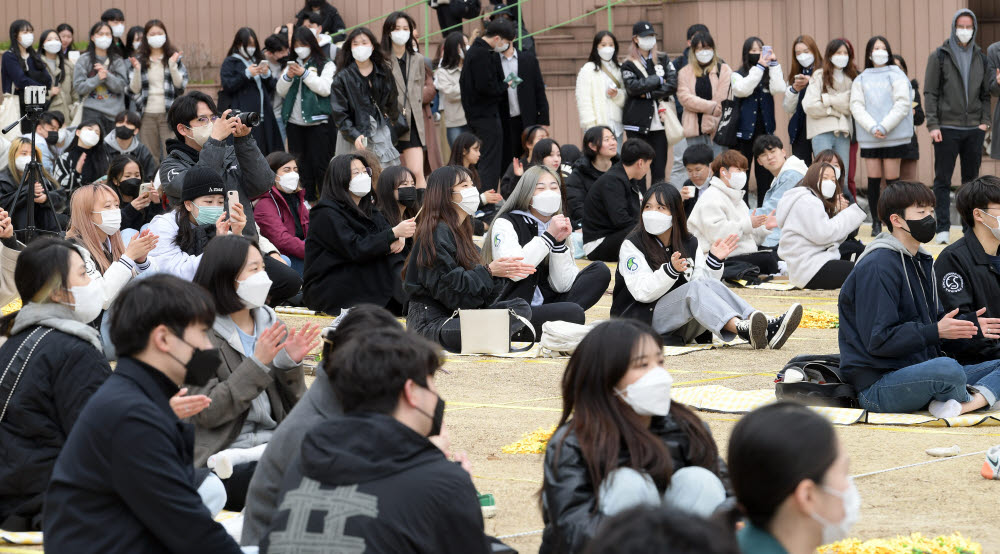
[569, 506]
[645, 91]
[352, 100]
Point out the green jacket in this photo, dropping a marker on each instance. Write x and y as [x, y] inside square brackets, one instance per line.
[754, 540]
[314, 108]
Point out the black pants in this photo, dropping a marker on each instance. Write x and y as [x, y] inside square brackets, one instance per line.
[491, 132]
[763, 176]
[766, 260]
[515, 126]
[313, 147]
[831, 276]
[285, 281]
[587, 290]
[237, 486]
[608, 250]
[658, 140]
[448, 15]
[965, 144]
[803, 150]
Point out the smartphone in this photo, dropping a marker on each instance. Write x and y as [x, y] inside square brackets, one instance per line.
[293, 62]
[234, 197]
[145, 187]
[766, 52]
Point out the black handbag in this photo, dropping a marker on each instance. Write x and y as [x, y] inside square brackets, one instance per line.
[402, 124]
[729, 124]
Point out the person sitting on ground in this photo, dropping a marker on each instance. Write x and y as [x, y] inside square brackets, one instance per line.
[125, 140]
[793, 503]
[611, 208]
[600, 152]
[698, 163]
[967, 270]
[46, 138]
[529, 138]
[893, 327]
[398, 198]
[465, 152]
[444, 272]
[10, 249]
[787, 171]
[815, 220]
[665, 280]
[546, 152]
[86, 158]
[128, 461]
[531, 226]
[376, 462]
[318, 405]
[63, 364]
[621, 442]
[46, 198]
[351, 249]
[721, 212]
[138, 206]
[282, 212]
[643, 530]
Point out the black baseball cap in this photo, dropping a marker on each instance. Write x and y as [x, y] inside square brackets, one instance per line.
[642, 29]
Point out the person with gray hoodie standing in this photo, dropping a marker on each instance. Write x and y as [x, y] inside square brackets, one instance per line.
[957, 105]
[100, 77]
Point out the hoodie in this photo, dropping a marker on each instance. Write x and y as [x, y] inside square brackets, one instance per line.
[889, 310]
[720, 212]
[137, 150]
[957, 83]
[792, 171]
[963, 54]
[578, 183]
[386, 489]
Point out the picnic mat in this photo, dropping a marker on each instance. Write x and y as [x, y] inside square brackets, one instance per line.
[232, 521]
[715, 398]
[536, 351]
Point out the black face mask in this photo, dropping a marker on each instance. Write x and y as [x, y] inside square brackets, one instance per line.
[922, 229]
[130, 187]
[51, 138]
[202, 366]
[407, 196]
[124, 132]
[753, 59]
[437, 420]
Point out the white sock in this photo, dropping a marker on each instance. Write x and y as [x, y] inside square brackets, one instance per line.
[944, 410]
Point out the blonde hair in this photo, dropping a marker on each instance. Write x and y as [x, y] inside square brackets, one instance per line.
[15, 147]
[705, 40]
[83, 229]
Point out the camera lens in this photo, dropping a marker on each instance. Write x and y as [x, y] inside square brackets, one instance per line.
[250, 119]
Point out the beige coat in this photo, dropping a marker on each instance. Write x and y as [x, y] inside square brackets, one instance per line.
[411, 97]
[711, 110]
[8, 260]
[63, 102]
[827, 111]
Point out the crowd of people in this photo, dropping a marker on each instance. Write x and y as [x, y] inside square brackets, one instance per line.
[166, 225]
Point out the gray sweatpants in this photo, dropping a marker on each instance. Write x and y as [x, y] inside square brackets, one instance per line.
[709, 303]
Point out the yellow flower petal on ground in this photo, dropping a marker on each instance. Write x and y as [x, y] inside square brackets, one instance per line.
[12, 307]
[532, 443]
[913, 544]
[819, 319]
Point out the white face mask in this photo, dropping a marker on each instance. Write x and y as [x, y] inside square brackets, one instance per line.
[833, 532]
[156, 41]
[546, 202]
[52, 46]
[88, 301]
[289, 182]
[136, 44]
[606, 53]
[89, 138]
[102, 42]
[650, 395]
[27, 39]
[501, 47]
[303, 52]
[964, 35]
[805, 59]
[361, 53]
[400, 37]
[880, 57]
[253, 290]
[828, 187]
[470, 200]
[994, 230]
[118, 30]
[360, 185]
[249, 51]
[21, 162]
[737, 180]
[656, 222]
[647, 43]
[836, 172]
[704, 56]
[201, 134]
[112, 221]
[840, 60]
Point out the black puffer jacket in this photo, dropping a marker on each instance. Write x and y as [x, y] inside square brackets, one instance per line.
[569, 506]
[44, 217]
[353, 100]
[645, 91]
[577, 184]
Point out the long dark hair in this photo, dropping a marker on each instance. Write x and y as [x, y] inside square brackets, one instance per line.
[385, 198]
[59, 55]
[811, 180]
[746, 65]
[242, 39]
[42, 268]
[130, 38]
[117, 168]
[16, 27]
[772, 450]
[389, 25]
[851, 71]
[337, 180]
[595, 58]
[145, 51]
[112, 51]
[439, 208]
[186, 235]
[303, 35]
[604, 425]
[868, 51]
[345, 58]
[463, 143]
[665, 195]
[450, 58]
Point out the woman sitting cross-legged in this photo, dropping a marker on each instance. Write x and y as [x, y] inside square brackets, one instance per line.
[663, 278]
[531, 225]
[444, 273]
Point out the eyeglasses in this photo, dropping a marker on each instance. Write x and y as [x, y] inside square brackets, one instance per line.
[205, 120]
[355, 173]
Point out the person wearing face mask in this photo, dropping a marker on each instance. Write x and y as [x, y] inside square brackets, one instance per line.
[446, 81]
[806, 62]
[792, 502]
[260, 377]
[86, 158]
[702, 85]
[45, 392]
[611, 208]
[60, 69]
[100, 77]
[815, 219]
[156, 77]
[399, 199]
[114, 19]
[248, 85]
[138, 208]
[532, 225]
[46, 197]
[125, 140]
[22, 66]
[827, 102]
[130, 448]
[46, 138]
[526, 98]
[957, 83]
[377, 459]
[133, 41]
[893, 327]
[599, 154]
[332, 22]
[638, 448]
[600, 97]
[883, 115]
[664, 279]
[282, 212]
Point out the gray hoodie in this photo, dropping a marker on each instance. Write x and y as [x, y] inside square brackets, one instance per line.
[886, 241]
[963, 54]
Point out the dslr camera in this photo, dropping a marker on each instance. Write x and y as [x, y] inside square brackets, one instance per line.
[250, 119]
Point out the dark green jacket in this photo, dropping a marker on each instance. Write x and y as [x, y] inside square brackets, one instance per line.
[314, 108]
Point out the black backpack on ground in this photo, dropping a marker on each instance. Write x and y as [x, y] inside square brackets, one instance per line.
[822, 385]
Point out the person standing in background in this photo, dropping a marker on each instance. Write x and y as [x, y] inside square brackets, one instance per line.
[702, 85]
[60, 70]
[22, 66]
[525, 95]
[807, 60]
[100, 78]
[248, 83]
[446, 80]
[678, 174]
[157, 77]
[115, 20]
[599, 94]
[413, 87]
[827, 102]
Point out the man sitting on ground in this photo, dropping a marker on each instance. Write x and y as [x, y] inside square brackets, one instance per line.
[892, 325]
[611, 209]
[697, 162]
[787, 171]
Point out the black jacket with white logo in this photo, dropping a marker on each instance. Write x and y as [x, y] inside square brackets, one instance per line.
[968, 281]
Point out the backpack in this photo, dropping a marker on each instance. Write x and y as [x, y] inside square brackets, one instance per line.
[820, 385]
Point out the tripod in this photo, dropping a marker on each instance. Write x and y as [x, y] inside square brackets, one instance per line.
[33, 173]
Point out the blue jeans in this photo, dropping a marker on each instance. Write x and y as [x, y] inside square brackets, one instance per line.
[911, 388]
[692, 489]
[841, 144]
[297, 264]
[453, 132]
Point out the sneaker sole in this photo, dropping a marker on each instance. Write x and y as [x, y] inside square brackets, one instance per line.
[758, 331]
[788, 326]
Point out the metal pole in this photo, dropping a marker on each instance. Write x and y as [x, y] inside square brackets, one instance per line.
[427, 27]
[519, 26]
[611, 23]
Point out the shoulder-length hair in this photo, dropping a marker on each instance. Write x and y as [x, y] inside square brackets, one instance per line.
[596, 58]
[385, 198]
[304, 35]
[871, 45]
[699, 40]
[813, 48]
[829, 156]
[82, 228]
[811, 180]
[450, 56]
[42, 268]
[145, 50]
[463, 143]
[520, 199]
[388, 26]
[223, 260]
[669, 196]
[338, 179]
[345, 58]
[439, 208]
[541, 150]
[828, 68]
[59, 55]
[242, 39]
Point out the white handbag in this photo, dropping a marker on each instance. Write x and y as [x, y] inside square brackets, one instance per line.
[671, 125]
[487, 331]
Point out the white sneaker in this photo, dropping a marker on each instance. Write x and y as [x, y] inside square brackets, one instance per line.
[942, 237]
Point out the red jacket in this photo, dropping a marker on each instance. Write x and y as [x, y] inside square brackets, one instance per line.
[272, 214]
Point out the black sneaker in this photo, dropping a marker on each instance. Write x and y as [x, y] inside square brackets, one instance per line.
[780, 328]
[753, 330]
